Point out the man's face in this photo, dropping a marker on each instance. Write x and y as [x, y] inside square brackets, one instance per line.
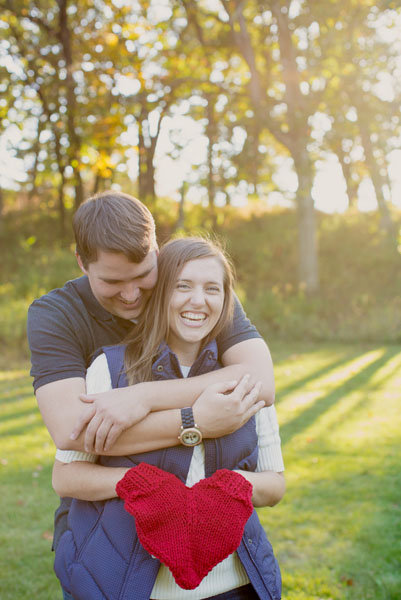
[122, 287]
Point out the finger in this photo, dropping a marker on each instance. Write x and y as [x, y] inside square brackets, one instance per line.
[85, 398]
[242, 388]
[82, 422]
[222, 387]
[255, 408]
[90, 434]
[251, 397]
[114, 432]
[101, 436]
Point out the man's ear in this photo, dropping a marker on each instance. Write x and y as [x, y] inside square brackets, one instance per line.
[80, 263]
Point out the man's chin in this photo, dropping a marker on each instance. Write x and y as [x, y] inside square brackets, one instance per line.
[128, 313]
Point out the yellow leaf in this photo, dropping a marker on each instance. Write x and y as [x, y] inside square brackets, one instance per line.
[111, 39]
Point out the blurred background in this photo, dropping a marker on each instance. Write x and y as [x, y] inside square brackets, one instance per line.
[276, 126]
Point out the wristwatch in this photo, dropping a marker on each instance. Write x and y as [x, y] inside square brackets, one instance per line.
[190, 434]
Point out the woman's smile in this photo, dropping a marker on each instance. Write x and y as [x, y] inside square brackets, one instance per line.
[192, 319]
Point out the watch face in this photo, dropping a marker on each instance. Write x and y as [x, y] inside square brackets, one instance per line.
[191, 437]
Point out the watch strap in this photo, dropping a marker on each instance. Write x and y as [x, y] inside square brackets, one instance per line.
[187, 417]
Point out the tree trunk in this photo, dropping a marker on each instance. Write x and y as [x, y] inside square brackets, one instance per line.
[211, 136]
[75, 142]
[1, 209]
[297, 115]
[61, 205]
[150, 171]
[96, 184]
[308, 263]
[296, 139]
[34, 172]
[146, 154]
[386, 222]
[181, 214]
[141, 163]
[351, 186]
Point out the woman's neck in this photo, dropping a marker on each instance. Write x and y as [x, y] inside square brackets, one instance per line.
[186, 352]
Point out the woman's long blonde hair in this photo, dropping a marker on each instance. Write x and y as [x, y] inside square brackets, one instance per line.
[142, 344]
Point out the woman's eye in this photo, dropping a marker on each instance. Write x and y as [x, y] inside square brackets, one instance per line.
[213, 289]
[182, 286]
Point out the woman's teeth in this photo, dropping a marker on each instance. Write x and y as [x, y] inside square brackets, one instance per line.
[193, 316]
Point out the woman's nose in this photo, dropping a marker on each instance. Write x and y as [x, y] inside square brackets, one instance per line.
[197, 297]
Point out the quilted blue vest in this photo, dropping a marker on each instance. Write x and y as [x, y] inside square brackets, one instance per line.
[100, 557]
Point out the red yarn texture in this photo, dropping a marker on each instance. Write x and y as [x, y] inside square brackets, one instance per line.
[188, 529]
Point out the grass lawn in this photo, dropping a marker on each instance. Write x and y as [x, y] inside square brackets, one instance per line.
[337, 532]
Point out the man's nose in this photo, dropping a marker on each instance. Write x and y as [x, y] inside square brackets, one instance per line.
[130, 292]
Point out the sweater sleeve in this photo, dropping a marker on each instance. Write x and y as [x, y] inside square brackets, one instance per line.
[98, 376]
[270, 457]
[97, 380]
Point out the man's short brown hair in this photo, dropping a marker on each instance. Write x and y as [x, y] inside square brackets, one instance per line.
[113, 222]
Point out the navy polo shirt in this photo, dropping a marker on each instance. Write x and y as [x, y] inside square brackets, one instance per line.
[68, 325]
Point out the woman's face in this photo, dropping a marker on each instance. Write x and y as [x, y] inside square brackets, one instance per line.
[196, 302]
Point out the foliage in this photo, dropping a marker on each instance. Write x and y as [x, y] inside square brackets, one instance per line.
[86, 90]
[360, 291]
[360, 296]
[336, 531]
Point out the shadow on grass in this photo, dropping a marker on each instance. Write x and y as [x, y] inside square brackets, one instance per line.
[20, 389]
[8, 376]
[371, 567]
[284, 391]
[338, 535]
[22, 429]
[306, 418]
[19, 414]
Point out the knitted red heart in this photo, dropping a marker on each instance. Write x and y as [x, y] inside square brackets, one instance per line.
[189, 529]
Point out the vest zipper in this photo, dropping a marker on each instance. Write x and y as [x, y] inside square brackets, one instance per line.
[257, 569]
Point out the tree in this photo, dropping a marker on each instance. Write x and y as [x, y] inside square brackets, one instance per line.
[362, 119]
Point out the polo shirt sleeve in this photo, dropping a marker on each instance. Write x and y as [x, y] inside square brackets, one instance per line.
[239, 330]
[56, 350]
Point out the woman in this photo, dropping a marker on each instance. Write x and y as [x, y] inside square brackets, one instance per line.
[100, 556]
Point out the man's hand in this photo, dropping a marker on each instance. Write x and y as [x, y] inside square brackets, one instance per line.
[224, 407]
[108, 415]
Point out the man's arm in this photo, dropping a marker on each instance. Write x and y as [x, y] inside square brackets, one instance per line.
[58, 363]
[220, 409]
[116, 410]
[253, 356]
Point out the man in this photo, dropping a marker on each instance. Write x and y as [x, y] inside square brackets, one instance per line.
[117, 252]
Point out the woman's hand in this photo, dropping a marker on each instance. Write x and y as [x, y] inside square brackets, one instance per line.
[224, 407]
